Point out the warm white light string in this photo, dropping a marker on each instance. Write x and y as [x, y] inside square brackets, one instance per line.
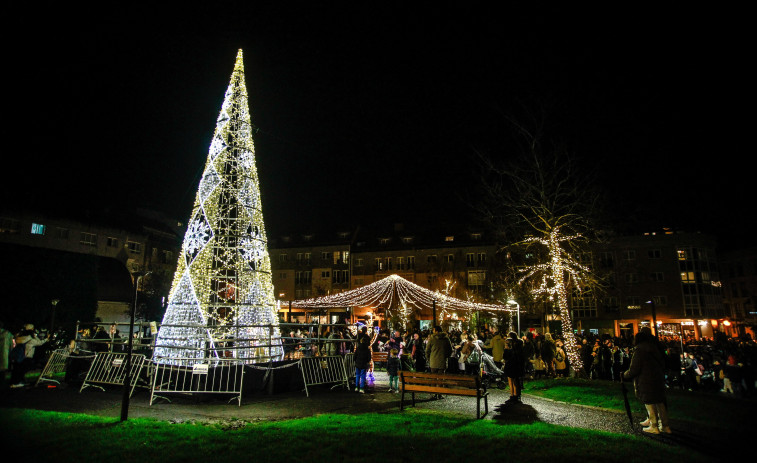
[222, 297]
[395, 291]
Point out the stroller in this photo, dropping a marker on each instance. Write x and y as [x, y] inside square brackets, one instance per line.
[490, 374]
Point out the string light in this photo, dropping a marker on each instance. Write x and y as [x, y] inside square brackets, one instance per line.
[222, 297]
[561, 271]
[395, 290]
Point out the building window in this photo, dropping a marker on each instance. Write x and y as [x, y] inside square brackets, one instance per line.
[411, 262]
[657, 276]
[89, 239]
[8, 225]
[475, 236]
[449, 238]
[379, 263]
[400, 263]
[389, 263]
[308, 257]
[326, 274]
[632, 278]
[407, 239]
[660, 301]
[654, 253]
[633, 303]
[167, 257]
[38, 229]
[111, 242]
[62, 233]
[283, 258]
[583, 306]
[470, 260]
[299, 258]
[359, 262]
[481, 259]
[134, 247]
[607, 259]
[431, 259]
[384, 240]
[449, 258]
[325, 255]
[630, 255]
[282, 276]
[476, 279]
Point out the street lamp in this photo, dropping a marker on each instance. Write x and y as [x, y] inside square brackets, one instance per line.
[52, 319]
[518, 307]
[136, 276]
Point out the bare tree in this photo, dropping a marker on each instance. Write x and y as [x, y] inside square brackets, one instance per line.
[544, 208]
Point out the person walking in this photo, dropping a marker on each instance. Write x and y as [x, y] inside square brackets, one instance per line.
[438, 351]
[647, 371]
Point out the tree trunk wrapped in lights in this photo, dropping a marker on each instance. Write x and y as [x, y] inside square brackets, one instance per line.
[546, 209]
[222, 299]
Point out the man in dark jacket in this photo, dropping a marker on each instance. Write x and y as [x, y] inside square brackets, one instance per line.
[438, 351]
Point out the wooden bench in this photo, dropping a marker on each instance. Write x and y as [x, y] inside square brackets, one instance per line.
[379, 357]
[447, 384]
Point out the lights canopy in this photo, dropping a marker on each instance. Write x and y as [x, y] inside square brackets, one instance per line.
[395, 291]
[222, 298]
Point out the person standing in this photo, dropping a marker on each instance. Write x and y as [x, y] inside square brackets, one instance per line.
[548, 351]
[393, 370]
[515, 363]
[438, 351]
[497, 345]
[362, 363]
[647, 371]
[29, 340]
[418, 352]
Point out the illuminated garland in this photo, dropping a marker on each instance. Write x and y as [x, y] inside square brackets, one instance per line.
[222, 291]
[395, 290]
[554, 277]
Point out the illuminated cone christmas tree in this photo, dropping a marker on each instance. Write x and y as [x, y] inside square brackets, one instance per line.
[222, 301]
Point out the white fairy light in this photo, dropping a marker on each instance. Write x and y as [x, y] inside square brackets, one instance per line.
[223, 289]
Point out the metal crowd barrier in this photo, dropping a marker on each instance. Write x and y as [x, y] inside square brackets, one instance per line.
[55, 364]
[323, 370]
[110, 368]
[201, 376]
[349, 365]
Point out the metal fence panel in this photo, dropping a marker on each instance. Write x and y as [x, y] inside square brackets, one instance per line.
[55, 364]
[198, 376]
[110, 368]
[323, 370]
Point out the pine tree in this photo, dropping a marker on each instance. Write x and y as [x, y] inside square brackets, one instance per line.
[222, 289]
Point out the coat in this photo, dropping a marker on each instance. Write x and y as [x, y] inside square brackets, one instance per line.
[438, 350]
[515, 360]
[647, 371]
[363, 356]
[497, 343]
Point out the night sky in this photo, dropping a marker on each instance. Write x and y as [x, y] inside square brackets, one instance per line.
[373, 114]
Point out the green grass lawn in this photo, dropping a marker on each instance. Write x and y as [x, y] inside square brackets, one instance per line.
[709, 409]
[430, 435]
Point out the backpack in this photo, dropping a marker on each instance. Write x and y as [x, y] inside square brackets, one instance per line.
[473, 357]
[18, 353]
[559, 357]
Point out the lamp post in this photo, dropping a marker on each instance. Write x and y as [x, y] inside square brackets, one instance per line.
[518, 307]
[136, 276]
[52, 319]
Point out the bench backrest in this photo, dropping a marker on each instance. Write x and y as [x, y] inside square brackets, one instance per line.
[380, 356]
[442, 383]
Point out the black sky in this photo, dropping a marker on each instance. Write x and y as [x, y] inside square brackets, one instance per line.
[372, 114]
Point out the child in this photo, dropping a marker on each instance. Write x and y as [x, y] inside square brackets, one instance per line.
[392, 368]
